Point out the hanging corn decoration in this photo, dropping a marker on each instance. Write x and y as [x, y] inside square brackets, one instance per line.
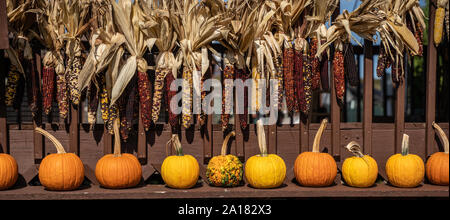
[338, 73]
[145, 99]
[324, 70]
[127, 108]
[288, 72]
[72, 80]
[104, 100]
[350, 65]
[158, 92]
[383, 62]
[419, 36]
[35, 87]
[439, 21]
[173, 118]
[227, 92]
[202, 117]
[315, 65]
[279, 76]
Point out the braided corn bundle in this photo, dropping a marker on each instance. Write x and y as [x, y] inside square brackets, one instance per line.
[173, 118]
[288, 72]
[339, 77]
[187, 98]
[158, 92]
[145, 99]
[48, 80]
[227, 92]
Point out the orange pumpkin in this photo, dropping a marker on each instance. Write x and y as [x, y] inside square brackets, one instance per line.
[60, 171]
[8, 171]
[117, 170]
[405, 169]
[314, 168]
[437, 164]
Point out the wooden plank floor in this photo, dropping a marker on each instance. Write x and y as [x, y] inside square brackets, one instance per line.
[289, 190]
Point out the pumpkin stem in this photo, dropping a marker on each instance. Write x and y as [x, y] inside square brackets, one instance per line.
[405, 145]
[261, 138]
[176, 144]
[355, 149]
[316, 143]
[58, 145]
[223, 152]
[117, 146]
[442, 136]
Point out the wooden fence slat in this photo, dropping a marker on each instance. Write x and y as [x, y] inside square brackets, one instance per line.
[335, 111]
[38, 140]
[107, 142]
[208, 139]
[368, 95]
[74, 134]
[399, 120]
[239, 138]
[4, 43]
[304, 133]
[272, 139]
[3, 126]
[430, 107]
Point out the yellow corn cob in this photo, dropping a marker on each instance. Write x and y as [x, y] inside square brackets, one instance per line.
[407, 36]
[73, 80]
[11, 87]
[104, 101]
[158, 92]
[438, 25]
[187, 97]
[256, 75]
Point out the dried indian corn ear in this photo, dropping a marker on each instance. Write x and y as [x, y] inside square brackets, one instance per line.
[158, 92]
[350, 65]
[339, 78]
[12, 86]
[419, 36]
[280, 78]
[439, 24]
[72, 80]
[145, 99]
[382, 61]
[113, 114]
[62, 95]
[93, 100]
[243, 118]
[127, 110]
[298, 78]
[187, 98]
[202, 117]
[32, 93]
[288, 72]
[227, 93]
[48, 80]
[315, 64]
[173, 118]
[306, 93]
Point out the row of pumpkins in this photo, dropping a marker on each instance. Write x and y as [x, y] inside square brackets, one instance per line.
[64, 171]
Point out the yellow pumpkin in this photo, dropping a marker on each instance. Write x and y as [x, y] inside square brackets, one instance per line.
[315, 169]
[359, 170]
[179, 171]
[405, 170]
[8, 171]
[264, 170]
[225, 170]
[437, 164]
[118, 170]
[61, 171]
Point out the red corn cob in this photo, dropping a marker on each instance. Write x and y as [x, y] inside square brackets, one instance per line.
[145, 99]
[339, 77]
[48, 80]
[62, 93]
[315, 65]
[419, 36]
[350, 65]
[288, 72]
[243, 118]
[202, 116]
[33, 86]
[173, 118]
